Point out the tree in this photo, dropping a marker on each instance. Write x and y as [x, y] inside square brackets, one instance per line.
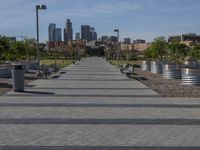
[158, 48]
[5, 48]
[177, 52]
[195, 52]
[110, 51]
[71, 50]
[19, 48]
[149, 53]
[31, 47]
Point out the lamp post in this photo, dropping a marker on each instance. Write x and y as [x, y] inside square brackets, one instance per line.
[75, 51]
[117, 30]
[38, 7]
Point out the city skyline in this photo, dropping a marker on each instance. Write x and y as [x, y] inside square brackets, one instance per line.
[145, 19]
[55, 34]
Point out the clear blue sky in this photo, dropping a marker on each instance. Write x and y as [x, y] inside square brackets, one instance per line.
[144, 19]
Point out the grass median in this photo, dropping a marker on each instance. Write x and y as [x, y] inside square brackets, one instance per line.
[60, 62]
[133, 63]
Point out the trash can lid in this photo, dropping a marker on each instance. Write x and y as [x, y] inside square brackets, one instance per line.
[18, 66]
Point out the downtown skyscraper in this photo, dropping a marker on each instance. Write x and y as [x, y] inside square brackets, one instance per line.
[58, 35]
[78, 36]
[85, 32]
[88, 33]
[93, 34]
[68, 31]
[55, 34]
[52, 28]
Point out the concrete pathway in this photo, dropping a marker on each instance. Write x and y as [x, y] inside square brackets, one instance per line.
[92, 106]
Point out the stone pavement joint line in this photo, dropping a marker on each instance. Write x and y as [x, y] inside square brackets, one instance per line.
[99, 148]
[92, 106]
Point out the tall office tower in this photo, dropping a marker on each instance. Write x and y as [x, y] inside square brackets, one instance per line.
[78, 35]
[92, 30]
[93, 34]
[58, 35]
[65, 35]
[52, 27]
[85, 32]
[68, 31]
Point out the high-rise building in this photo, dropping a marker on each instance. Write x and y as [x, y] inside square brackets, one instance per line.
[127, 40]
[92, 30]
[58, 35]
[68, 31]
[85, 32]
[52, 27]
[93, 34]
[78, 35]
[65, 34]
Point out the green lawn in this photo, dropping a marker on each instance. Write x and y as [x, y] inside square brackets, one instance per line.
[62, 63]
[114, 62]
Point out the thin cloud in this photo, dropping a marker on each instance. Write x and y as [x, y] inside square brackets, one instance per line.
[100, 9]
[136, 16]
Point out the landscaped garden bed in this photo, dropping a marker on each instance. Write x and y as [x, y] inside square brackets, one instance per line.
[168, 88]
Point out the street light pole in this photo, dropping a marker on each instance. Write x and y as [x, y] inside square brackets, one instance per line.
[75, 50]
[117, 30]
[38, 7]
[37, 30]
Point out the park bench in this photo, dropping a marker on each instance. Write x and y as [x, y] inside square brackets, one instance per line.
[127, 69]
[45, 71]
[123, 67]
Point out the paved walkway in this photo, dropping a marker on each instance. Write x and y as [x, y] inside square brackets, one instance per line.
[92, 106]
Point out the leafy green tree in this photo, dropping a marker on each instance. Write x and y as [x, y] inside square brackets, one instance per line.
[158, 48]
[19, 49]
[195, 52]
[149, 53]
[31, 48]
[111, 51]
[177, 52]
[5, 48]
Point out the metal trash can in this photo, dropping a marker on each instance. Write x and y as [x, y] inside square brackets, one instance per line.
[18, 77]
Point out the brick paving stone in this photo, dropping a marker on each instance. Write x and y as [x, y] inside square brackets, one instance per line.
[106, 111]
